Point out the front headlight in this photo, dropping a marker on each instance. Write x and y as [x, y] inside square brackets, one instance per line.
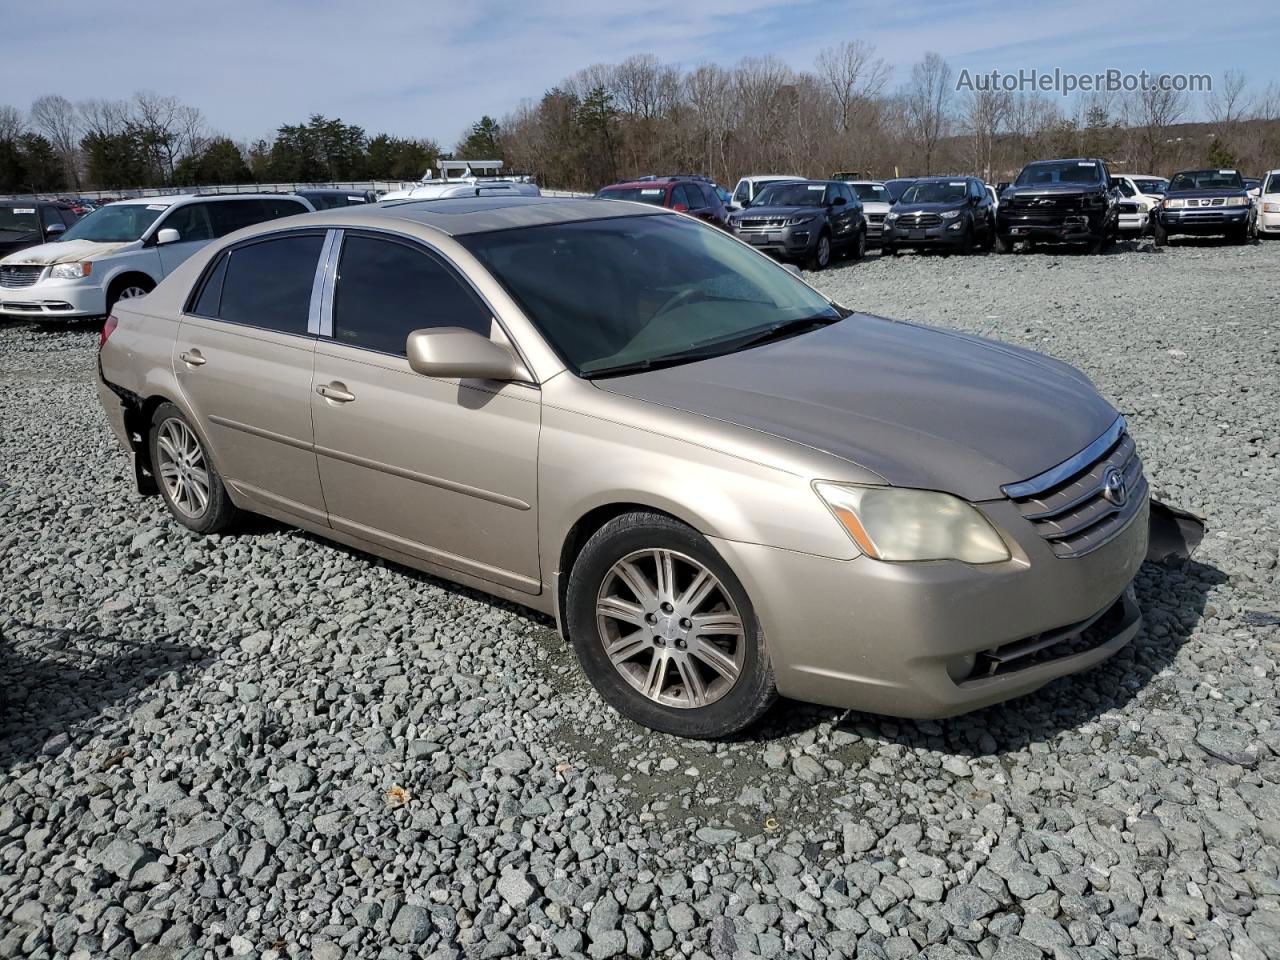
[890, 217]
[1237, 201]
[897, 524]
[796, 221]
[1271, 207]
[950, 214]
[1175, 204]
[71, 271]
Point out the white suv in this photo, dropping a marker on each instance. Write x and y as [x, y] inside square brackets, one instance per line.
[1269, 205]
[1143, 192]
[124, 249]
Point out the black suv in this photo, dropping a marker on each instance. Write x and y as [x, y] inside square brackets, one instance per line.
[1059, 201]
[26, 223]
[806, 220]
[1204, 203]
[954, 213]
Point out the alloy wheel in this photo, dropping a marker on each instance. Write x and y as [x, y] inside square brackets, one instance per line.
[824, 251]
[182, 467]
[670, 628]
[128, 293]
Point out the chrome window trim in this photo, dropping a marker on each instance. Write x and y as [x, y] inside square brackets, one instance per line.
[1069, 467]
[322, 285]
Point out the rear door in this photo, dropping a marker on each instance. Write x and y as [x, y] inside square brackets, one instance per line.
[244, 357]
[442, 470]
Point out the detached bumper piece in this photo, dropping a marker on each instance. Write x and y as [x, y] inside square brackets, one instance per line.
[1174, 533]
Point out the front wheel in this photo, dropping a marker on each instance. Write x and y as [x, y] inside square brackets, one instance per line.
[888, 250]
[665, 631]
[128, 288]
[189, 483]
[1159, 236]
[1003, 244]
[859, 245]
[821, 256]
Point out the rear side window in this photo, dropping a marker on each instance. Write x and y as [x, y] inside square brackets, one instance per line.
[230, 215]
[209, 300]
[268, 284]
[387, 289]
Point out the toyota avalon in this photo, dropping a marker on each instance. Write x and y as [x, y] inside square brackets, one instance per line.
[722, 484]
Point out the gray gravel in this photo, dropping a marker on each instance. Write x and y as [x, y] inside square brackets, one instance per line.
[261, 745]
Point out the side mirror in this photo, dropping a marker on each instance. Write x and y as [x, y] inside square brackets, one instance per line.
[168, 235]
[838, 202]
[680, 207]
[53, 229]
[454, 352]
[792, 269]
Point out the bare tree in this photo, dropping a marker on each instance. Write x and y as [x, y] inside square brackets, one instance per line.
[12, 124]
[1150, 114]
[709, 89]
[854, 76]
[927, 97]
[56, 119]
[985, 112]
[106, 118]
[1228, 103]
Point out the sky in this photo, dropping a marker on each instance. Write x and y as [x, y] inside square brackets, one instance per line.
[421, 68]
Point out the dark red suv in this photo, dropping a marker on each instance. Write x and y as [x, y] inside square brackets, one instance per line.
[692, 195]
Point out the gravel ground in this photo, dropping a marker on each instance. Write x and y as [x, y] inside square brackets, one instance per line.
[262, 745]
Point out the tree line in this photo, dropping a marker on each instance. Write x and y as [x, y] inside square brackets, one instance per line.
[607, 121]
[157, 141]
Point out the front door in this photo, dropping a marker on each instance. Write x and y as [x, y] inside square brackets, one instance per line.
[244, 360]
[441, 470]
[191, 220]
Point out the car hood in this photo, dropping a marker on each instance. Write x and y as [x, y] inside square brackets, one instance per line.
[1054, 190]
[919, 406]
[902, 209]
[875, 206]
[67, 251]
[781, 212]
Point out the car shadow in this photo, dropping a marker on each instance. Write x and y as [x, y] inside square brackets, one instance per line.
[56, 679]
[1172, 595]
[56, 324]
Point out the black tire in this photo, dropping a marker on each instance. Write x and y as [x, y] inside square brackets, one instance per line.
[888, 250]
[819, 261]
[968, 242]
[126, 288]
[859, 248]
[1003, 244]
[988, 237]
[753, 691]
[218, 513]
[1158, 235]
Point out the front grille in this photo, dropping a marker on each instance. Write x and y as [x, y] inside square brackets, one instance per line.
[20, 275]
[1074, 512]
[1044, 204]
[917, 221]
[1206, 202]
[1051, 645]
[875, 217]
[760, 223]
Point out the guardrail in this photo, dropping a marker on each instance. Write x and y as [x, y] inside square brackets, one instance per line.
[377, 186]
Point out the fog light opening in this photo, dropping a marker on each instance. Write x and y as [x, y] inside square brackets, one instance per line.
[960, 668]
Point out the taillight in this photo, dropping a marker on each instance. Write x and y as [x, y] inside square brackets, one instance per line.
[107, 329]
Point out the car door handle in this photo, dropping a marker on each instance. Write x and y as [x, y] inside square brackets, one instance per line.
[336, 392]
[192, 358]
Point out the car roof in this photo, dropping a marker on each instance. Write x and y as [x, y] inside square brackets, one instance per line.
[172, 199]
[655, 182]
[466, 215]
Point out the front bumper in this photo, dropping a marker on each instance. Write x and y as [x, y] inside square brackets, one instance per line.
[1205, 221]
[949, 233]
[1078, 226]
[1132, 222]
[791, 243]
[54, 299]
[919, 639]
[1269, 222]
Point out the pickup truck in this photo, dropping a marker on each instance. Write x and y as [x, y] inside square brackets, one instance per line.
[1059, 201]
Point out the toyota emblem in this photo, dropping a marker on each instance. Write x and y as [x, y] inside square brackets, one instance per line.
[1113, 487]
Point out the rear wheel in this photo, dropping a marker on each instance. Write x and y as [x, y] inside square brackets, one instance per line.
[664, 630]
[189, 483]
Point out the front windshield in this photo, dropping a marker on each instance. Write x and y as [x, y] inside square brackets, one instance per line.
[791, 195]
[18, 219]
[1152, 186]
[117, 223]
[633, 290]
[936, 191]
[898, 187]
[1205, 180]
[1058, 171]
[653, 195]
[871, 191]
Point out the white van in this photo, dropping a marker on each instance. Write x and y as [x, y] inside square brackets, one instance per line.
[124, 249]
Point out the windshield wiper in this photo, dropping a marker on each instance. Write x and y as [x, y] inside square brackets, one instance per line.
[785, 328]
